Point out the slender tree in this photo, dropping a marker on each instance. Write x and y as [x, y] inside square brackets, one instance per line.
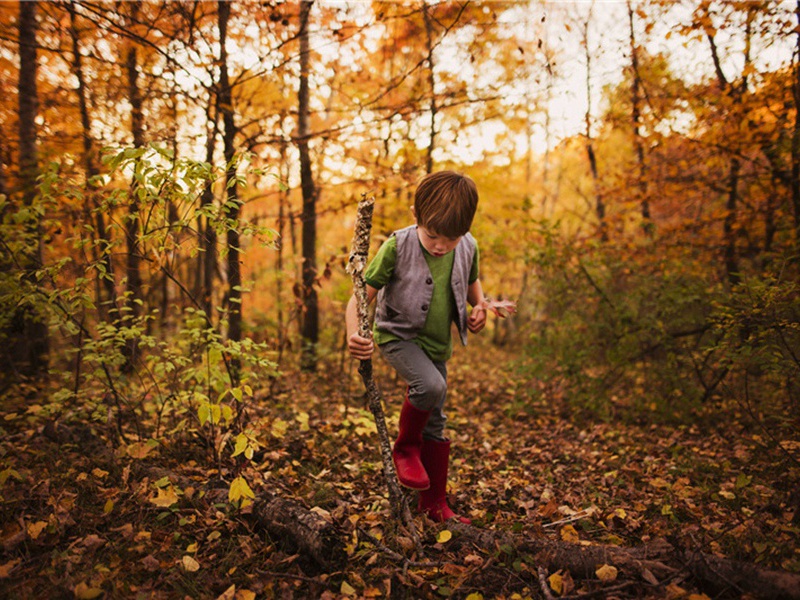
[32, 337]
[636, 123]
[90, 167]
[310, 323]
[795, 152]
[735, 93]
[599, 204]
[133, 285]
[232, 205]
[433, 106]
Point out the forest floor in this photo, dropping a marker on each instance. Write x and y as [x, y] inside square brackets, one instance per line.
[83, 517]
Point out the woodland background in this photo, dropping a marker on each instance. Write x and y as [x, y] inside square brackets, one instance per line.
[178, 183]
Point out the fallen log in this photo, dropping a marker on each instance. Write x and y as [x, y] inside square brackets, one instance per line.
[301, 530]
[650, 563]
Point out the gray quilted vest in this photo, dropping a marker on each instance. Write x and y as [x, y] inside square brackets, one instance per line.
[403, 302]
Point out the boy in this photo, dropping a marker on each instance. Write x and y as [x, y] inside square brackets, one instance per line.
[424, 276]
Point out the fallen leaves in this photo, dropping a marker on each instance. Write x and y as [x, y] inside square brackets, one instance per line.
[165, 497]
[606, 573]
[189, 564]
[445, 535]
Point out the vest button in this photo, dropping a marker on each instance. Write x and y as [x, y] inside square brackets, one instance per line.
[429, 281]
[424, 307]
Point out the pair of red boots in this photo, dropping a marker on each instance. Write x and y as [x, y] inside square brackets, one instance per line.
[422, 464]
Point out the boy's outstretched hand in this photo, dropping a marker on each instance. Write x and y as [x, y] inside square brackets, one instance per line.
[477, 319]
[360, 348]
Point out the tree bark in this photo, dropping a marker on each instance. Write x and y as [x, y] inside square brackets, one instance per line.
[731, 204]
[90, 166]
[303, 531]
[599, 202]
[795, 178]
[433, 107]
[636, 123]
[310, 321]
[232, 201]
[661, 560]
[359, 253]
[318, 539]
[31, 337]
[132, 224]
[207, 234]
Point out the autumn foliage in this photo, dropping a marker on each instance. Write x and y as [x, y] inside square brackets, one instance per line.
[175, 215]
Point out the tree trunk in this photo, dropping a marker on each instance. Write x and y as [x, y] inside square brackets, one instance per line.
[315, 538]
[432, 84]
[207, 234]
[599, 202]
[283, 201]
[734, 166]
[133, 262]
[310, 327]
[90, 166]
[795, 179]
[659, 560]
[31, 337]
[636, 123]
[232, 202]
[303, 531]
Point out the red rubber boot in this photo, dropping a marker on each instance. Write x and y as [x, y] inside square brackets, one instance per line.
[407, 448]
[433, 501]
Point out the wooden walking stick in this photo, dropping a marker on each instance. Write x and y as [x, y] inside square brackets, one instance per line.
[359, 253]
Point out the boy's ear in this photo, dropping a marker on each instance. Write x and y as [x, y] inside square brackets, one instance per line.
[414, 212]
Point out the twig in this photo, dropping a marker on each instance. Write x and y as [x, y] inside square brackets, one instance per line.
[358, 261]
[394, 555]
[576, 517]
[544, 585]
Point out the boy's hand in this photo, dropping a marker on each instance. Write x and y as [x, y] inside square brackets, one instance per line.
[477, 319]
[360, 348]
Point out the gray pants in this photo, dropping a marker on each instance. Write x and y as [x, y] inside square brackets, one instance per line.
[426, 379]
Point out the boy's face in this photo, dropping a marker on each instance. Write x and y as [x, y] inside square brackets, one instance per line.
[435, 243]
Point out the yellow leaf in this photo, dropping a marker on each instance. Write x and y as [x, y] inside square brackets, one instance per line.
[229, 594]
[99, 473]
[556, 582]
[108, 506]
[84, 592]
[698, 597]
[475, 596]
[35, 529]
[240, 490]
[245, 595]
[7, 568]
[241, 444]
[347, 589]
[569, 534]
[302, 418]
[191, 548]
[166, 497]
[444, 536]
[190, 564]
[139, 449]
[606, 573]
[279, 428]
